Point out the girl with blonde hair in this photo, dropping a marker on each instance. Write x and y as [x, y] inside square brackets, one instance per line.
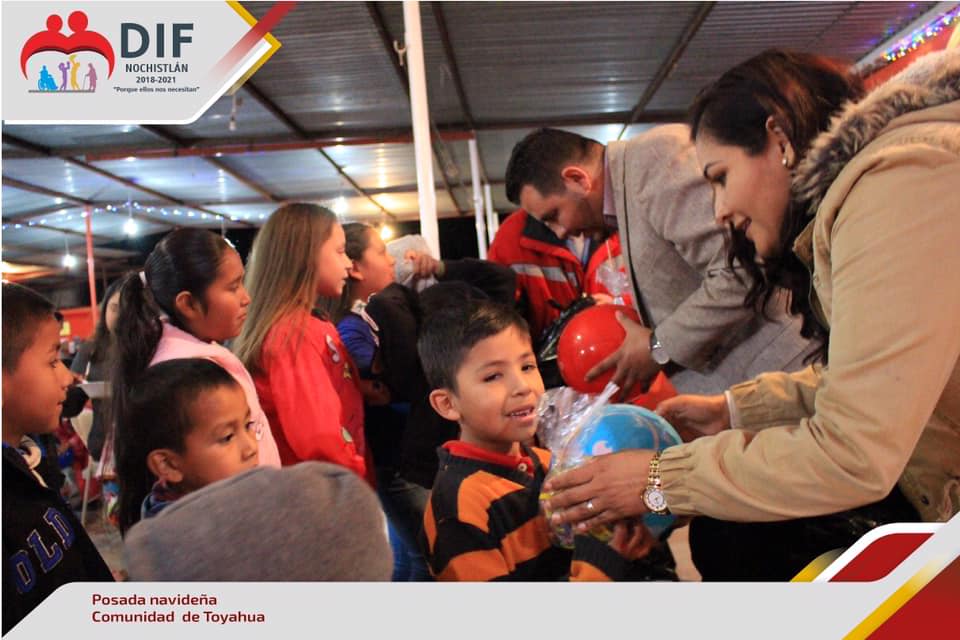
[303, 374]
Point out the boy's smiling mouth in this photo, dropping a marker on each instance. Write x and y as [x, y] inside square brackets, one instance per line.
[522, 412]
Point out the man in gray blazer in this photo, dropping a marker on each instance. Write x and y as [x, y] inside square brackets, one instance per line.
[650, 189]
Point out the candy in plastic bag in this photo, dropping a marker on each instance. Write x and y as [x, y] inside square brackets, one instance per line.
[576, 427]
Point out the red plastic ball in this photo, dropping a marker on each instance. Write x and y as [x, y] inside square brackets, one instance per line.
[589, 337]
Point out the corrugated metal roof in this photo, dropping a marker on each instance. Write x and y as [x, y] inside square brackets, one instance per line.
[80, 137]
[577, 65]
[331, 70]
[289, 173]
[544, 60]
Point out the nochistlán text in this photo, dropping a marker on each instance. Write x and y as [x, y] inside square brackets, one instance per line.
[157, 67]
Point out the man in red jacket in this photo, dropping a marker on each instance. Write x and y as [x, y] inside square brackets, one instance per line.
[547, 267]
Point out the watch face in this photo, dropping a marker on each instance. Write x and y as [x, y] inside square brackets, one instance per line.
[654, 499]
[659, 356]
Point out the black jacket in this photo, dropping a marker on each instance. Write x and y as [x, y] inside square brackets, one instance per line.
[44, 544]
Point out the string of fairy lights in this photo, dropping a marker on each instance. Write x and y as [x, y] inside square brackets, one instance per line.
[131, 227]
[918, 37]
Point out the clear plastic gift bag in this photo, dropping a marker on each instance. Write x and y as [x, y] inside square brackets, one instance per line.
[614, 280]
[578, 426]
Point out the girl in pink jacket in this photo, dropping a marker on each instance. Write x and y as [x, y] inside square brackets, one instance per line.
[188, 299]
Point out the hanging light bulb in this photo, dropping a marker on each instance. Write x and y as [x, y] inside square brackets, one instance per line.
[237, 101]
[340, 206]
[130, 227]
[68, 261]
[386, 232]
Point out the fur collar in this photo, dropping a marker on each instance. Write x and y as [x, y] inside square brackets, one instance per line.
[930, 81]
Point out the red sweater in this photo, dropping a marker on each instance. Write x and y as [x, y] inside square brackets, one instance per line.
[307, 387]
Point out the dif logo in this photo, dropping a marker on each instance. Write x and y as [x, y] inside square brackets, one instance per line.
[75, 65]
[135, 39]
[69, 63]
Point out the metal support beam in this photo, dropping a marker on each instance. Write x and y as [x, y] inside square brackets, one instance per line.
[37, 214]
[8, 139]
[217, 147]
[314, 140]
[43, 191]
[666, 68]
[441, 20]
[82, 202]
[169, 136]
[420, 115]
[288, 122]
[447, 42]
[436, 139]
[49, 227]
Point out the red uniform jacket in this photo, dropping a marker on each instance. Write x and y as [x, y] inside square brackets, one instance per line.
[546, 269]
[607, 254]
[307, 387]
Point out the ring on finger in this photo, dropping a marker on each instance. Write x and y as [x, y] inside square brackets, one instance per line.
[590, 506]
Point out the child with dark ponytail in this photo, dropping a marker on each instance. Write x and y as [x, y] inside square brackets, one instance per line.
[188, 299]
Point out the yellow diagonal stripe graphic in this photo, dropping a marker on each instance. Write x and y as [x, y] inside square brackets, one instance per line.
[274, 45]
[817, 566]
[899, 598]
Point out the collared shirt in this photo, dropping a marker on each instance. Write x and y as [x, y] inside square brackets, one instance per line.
[473, 452]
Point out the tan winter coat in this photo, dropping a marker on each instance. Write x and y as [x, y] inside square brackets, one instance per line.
[885, 251]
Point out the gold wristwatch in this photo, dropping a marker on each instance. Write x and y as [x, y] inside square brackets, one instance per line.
[653, 494]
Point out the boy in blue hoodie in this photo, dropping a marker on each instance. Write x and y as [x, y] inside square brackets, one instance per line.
[44, 544]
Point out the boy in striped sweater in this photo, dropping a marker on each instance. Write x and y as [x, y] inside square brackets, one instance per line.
[483, 519]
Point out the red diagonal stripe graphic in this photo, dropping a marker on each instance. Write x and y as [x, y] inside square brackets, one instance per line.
[881, 557]
[927, 614]
[252, 37]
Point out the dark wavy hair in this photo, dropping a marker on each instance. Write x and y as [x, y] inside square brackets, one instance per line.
[802, 92]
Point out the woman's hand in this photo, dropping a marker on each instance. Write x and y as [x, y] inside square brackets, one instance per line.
[696, 416]
[606, 489]
[424, 265]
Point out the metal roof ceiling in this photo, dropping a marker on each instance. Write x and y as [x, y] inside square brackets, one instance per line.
[327, 118]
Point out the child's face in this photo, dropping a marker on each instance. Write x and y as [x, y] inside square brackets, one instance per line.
[222, 442]
[498, 386]
[225, 302]
[333, 265]
[375, 267]
[33, 394]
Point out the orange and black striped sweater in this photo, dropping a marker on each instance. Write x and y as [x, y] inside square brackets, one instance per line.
[483, 522]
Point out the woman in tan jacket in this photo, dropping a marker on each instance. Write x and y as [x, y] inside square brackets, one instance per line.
[867, 220]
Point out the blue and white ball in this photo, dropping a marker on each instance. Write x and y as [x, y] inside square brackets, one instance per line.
[617, 427]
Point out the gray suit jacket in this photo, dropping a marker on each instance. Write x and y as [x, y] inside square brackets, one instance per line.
[679, 267]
